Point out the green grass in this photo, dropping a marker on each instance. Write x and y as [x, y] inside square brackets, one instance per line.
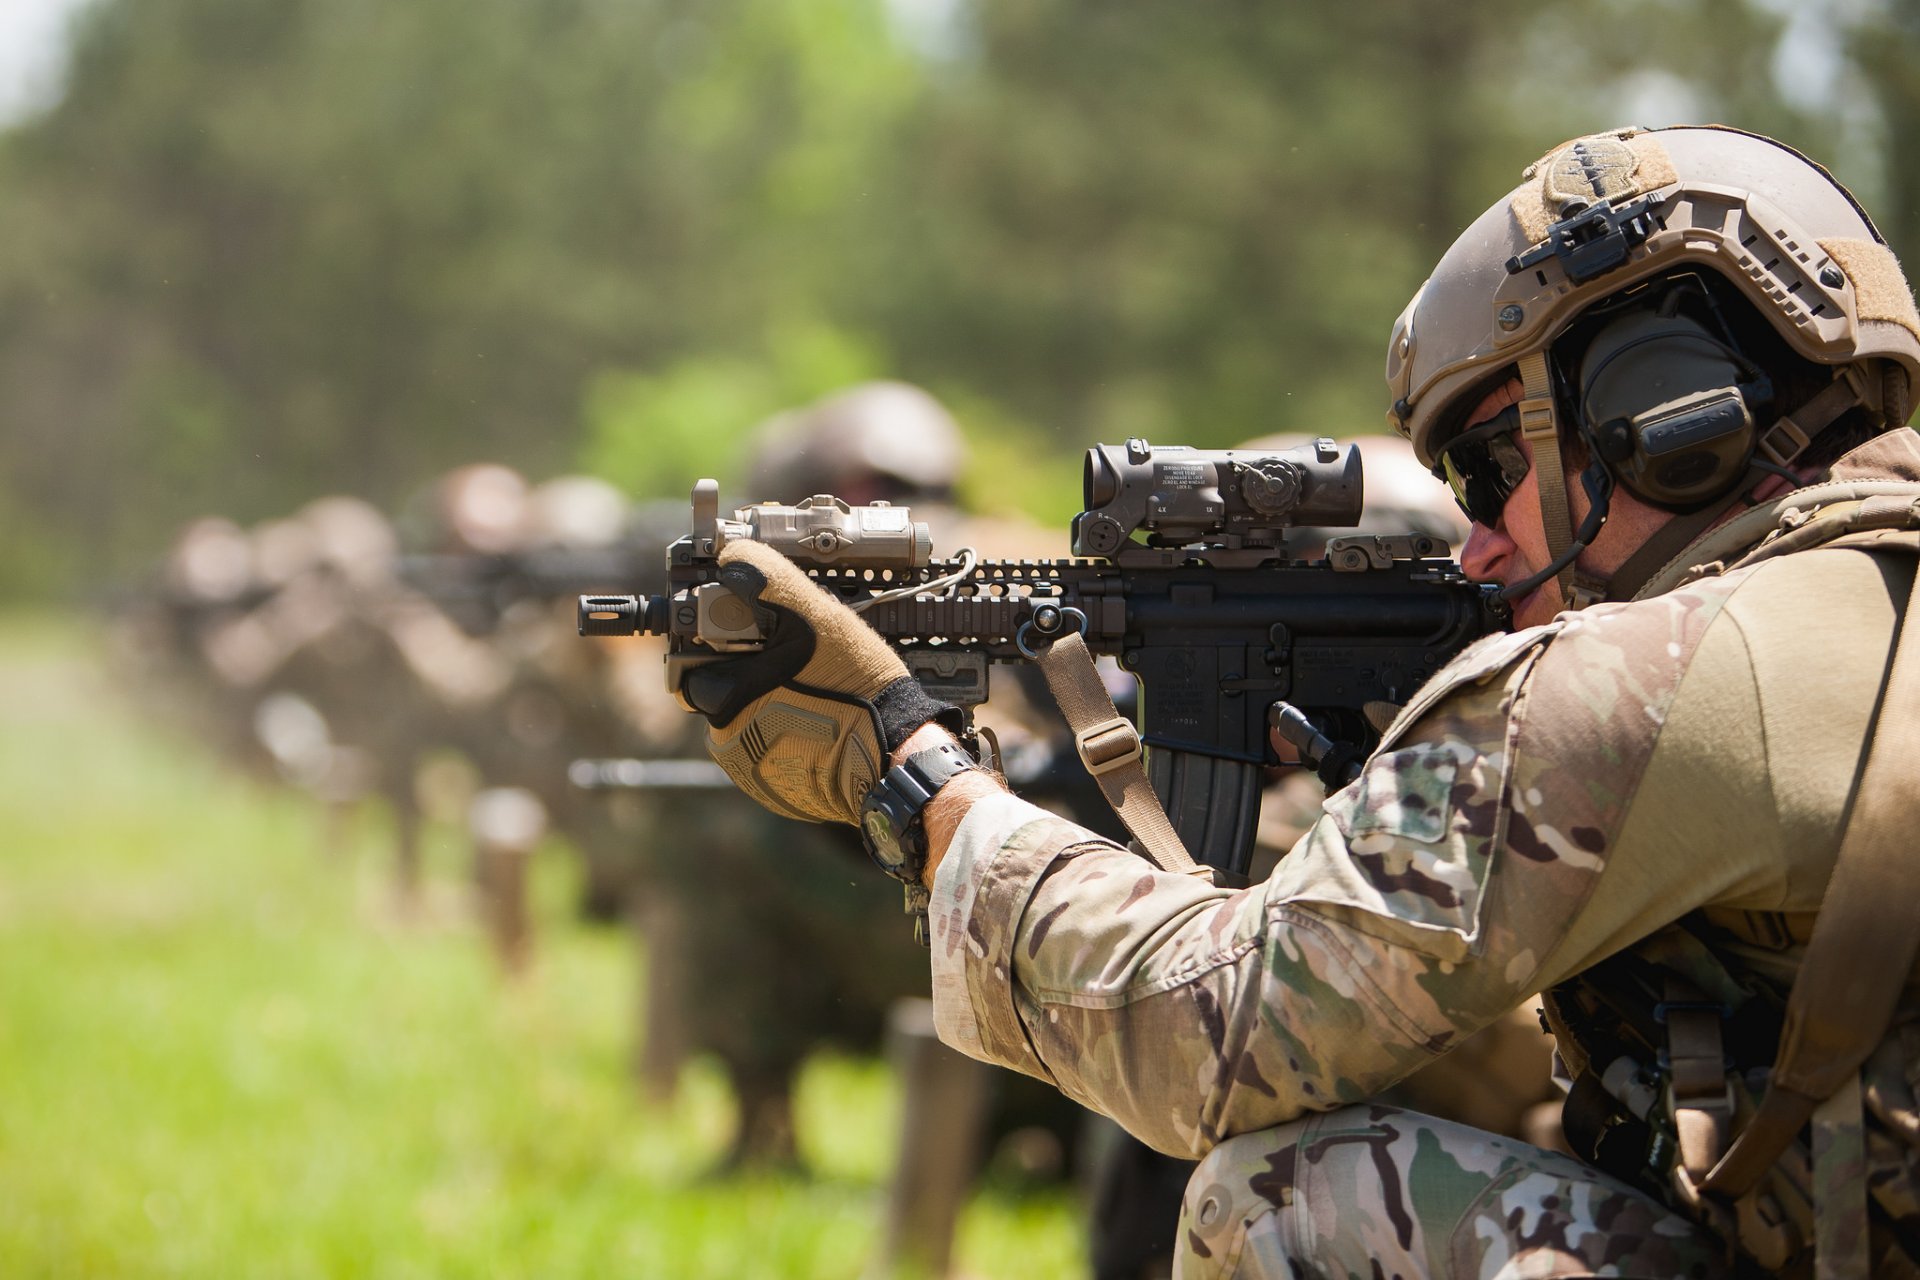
[221, 1054]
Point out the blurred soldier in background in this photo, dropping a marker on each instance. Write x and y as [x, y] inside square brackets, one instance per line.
[517, 590]
[295, 649]
[160, 641]
[344, 710]
[507, 562]
[888, 441]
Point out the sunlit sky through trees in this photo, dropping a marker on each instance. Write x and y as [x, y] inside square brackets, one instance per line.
[253, 251]
[32, 53]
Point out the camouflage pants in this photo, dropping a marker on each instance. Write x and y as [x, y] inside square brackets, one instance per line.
[1372, 1191]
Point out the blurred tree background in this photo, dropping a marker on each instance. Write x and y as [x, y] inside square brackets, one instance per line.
[259, 250]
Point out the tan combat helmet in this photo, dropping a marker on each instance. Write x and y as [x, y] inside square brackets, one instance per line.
[1606, 212]
[576, 512]
[890, 437]
[478, 509]
[352, 539]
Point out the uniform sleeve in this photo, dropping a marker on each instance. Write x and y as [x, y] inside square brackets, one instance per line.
[1417, 909]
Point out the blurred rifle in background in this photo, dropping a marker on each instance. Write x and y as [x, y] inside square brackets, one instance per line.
[475, 589]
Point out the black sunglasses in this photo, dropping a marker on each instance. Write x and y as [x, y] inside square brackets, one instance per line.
[1483, 466]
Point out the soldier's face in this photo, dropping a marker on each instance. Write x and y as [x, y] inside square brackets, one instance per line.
[1515, 547]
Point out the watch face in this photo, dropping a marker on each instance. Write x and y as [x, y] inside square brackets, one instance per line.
[881, 836]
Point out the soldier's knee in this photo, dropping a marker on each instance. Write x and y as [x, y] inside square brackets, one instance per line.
[1234, 1216]
[1336, 1194]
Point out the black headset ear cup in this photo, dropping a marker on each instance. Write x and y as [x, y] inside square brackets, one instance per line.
[1663, 400]
[1614, 440]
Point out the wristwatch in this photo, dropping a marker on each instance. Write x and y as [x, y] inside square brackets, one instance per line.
[892, 825]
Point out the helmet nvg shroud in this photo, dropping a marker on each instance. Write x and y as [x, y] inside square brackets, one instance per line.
[1593, 225]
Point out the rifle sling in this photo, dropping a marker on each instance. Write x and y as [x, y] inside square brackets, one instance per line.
[1109, 746]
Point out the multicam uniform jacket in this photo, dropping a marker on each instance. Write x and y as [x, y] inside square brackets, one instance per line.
[1550, 798]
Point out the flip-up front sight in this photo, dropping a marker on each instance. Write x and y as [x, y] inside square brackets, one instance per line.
[1234, 498]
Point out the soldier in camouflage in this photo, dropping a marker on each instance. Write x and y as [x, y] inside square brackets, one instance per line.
[1668, 378]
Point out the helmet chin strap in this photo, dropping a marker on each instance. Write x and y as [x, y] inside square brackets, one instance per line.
[1541, 431]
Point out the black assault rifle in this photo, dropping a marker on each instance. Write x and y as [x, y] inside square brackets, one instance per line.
[1226, 632]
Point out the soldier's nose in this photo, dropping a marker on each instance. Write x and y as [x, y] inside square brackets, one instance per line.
[1485, 552]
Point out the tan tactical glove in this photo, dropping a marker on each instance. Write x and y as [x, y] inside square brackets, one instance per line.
[805, 725]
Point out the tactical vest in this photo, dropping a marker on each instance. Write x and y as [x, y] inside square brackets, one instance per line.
[1722, 1063]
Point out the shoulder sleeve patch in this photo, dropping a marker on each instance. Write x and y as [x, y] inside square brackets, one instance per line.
[1481, 827]
[1404, 852]
[1476, 664]
[1406, 793]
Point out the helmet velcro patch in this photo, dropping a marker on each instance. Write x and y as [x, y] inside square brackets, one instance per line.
[1880, 289]
[1600, 169]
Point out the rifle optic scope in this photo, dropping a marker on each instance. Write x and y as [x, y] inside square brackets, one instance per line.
[1180, 495]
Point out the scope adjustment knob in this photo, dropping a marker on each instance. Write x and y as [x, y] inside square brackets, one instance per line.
[1271, 487]
[1097, 535]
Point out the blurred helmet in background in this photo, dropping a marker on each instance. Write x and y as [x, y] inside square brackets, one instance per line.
[479, 509]
[1400, 495]
[577, 512]
[211, 562]
[352, 538]
[877, 441]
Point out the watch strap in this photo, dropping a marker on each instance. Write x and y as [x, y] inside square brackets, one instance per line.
[937, 766]
[902, 794]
